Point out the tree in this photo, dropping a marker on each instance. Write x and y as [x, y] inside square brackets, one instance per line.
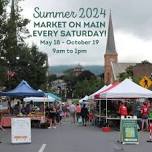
[127, 74]
[87, 87]
[86, 75]
[31, 66]
[38, 66]
[3, 4]
[84, 84]
[20, 61]
[15, 33]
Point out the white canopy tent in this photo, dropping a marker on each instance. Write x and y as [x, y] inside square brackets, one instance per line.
[84, 99]
[127, 89]
[39, 99]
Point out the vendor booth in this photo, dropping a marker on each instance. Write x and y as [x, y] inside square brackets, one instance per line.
[126, 90]
[38, 113]
[22, 90]
[100, 115]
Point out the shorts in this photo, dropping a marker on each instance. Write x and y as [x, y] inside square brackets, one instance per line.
[72, 114]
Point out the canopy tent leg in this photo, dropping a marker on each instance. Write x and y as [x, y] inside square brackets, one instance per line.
[106, 110]
[99, 111]
[44, 110]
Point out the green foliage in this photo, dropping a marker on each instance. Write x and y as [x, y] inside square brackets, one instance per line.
[2, 75]
[31, 66]
[87, 87]
[3, 4]
[75, 101]
[78, 86]
[38, 67]
[86, 75]
[52, 77]
[16, 57]
[127, 74]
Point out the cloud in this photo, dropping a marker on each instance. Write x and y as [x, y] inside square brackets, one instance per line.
[131, 48]
[132, 20]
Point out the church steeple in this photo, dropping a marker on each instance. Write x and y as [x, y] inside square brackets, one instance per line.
[110, 54]
[110, 48]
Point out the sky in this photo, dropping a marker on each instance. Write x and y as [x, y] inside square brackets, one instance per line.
[132, 20]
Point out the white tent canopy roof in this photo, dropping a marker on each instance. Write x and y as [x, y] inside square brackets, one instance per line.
[39, 99]
[84, 99]
[127, 89]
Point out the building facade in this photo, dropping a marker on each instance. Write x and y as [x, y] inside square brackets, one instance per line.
[113, 68]
[110, 55]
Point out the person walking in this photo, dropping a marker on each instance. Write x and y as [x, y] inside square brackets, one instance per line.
[52, 116]
[72, 110]
[84, 114]
[144, 115]
[78, 111]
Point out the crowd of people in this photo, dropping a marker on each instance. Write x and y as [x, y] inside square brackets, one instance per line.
[54, 114]
[76, 112]
[79, 113]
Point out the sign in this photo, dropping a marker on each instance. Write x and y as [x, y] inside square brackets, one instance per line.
[129, 130]
[20, 130]
[145, 82]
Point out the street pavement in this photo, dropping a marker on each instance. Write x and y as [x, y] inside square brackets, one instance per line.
[68, 137]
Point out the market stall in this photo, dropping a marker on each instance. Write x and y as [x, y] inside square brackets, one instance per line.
[124, 90]
[99, 116]
[37, 115]
[23, 89]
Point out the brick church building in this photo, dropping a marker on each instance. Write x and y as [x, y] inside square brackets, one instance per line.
[113, 68]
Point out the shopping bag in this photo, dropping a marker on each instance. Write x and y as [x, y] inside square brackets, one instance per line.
[80, 121]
